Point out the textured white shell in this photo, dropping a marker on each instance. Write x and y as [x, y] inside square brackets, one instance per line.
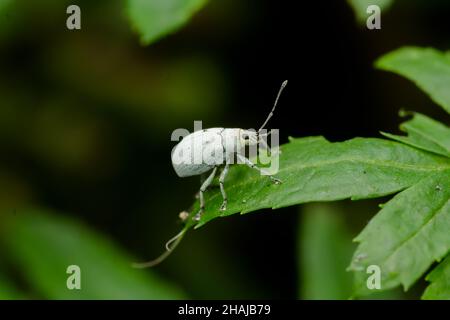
[201, 151]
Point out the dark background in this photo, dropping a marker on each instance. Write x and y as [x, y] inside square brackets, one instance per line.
[86, 118]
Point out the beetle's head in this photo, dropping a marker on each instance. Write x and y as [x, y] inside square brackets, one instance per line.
[248, 137]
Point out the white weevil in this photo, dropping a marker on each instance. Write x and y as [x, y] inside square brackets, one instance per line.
[210, 148]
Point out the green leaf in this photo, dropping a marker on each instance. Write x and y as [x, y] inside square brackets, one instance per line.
[425, 133]
[439, 289]
[313, 169]
[325, 248]
[407, 235]
[360, 7]
[43, 245]
[428, 68]
[154, 19]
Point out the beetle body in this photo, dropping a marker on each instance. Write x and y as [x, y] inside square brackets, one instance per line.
[206, 150]
[201, 151]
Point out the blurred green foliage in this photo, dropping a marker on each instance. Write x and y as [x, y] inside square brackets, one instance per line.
[4, 3]
[74, 108]
[360, 7]
[8, 290]
[156, 18]
[325, 247]
[41, 245]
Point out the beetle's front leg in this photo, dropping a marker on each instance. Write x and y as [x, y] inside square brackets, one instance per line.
[261, 171]
[203, 188]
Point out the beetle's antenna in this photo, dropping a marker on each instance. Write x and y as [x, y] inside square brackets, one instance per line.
[173, 240]
[267, 134]
[170, 246]
[274, 105]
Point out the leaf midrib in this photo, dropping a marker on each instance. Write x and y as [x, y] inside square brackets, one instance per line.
[356, 159]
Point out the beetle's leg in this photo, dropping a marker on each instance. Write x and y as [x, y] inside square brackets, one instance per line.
[202, 179]
[254, 166]
[223, 175]
[203, 188]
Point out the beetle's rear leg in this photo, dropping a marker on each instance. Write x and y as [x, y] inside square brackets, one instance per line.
[203, 177]
[223, 175]
[203, 188]
[254, 166]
